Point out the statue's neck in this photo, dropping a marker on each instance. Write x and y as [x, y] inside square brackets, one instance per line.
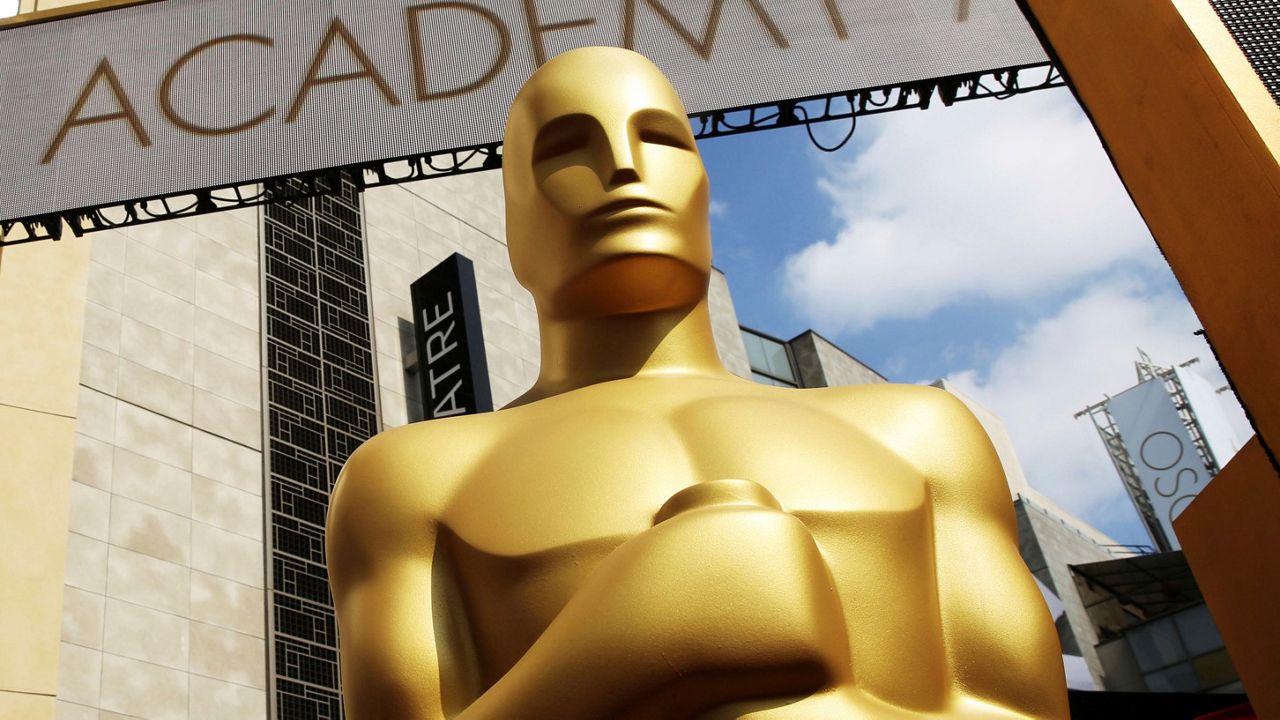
[581, 352]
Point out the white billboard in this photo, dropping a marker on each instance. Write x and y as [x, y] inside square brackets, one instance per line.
[1163, 454]
[1206, 404]
[166, 97]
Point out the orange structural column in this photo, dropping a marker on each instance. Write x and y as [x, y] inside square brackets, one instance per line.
[1195, 136]
[1230, 537]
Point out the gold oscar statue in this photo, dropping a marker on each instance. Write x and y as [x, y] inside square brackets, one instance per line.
[644, 535]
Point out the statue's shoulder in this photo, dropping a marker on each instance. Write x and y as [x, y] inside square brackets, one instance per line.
[416, 468]
[900, 406]
[929, 427]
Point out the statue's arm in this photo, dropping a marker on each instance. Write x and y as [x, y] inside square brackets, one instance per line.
[646, 636]
[380, 550]
[716, 604]
[1000, 639]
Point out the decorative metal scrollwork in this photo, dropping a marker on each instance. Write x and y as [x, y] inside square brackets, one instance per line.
[999, 84]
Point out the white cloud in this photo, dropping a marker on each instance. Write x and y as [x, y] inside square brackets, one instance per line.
[1063, 363]
[1003, 200]
[718, 208]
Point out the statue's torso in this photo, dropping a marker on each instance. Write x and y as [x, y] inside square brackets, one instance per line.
[564, 481]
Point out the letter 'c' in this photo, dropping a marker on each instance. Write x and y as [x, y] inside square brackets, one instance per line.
[166, 87]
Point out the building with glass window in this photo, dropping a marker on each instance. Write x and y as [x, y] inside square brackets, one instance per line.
[1155, 633]
[180, 396]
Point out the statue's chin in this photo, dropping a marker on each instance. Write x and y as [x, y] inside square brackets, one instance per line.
[629, 284]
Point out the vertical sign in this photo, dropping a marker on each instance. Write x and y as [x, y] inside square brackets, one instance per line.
[1164, 456]
[452, 370]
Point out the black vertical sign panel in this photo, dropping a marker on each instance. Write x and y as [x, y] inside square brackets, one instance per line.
[452, 369]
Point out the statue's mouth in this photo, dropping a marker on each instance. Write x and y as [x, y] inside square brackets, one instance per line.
[626, 205]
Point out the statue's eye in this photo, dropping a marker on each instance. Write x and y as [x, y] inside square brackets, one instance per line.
[660, 137]
[561, 137]
[659, 127]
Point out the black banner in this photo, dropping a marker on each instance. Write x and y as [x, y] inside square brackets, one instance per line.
[452, 369]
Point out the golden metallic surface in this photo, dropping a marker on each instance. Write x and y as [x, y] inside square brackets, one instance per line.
[644, 535]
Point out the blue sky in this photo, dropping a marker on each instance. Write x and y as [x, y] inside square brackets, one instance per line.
[990, 243]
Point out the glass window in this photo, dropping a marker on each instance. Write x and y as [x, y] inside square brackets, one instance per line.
[769, 357]
[1197, 630]
[1156, 644]
[755, 351]
[766, 380]
[1179, 678]
[779, 360]
[1215, 669]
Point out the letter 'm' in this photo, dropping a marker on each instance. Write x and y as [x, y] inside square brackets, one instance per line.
[419, 63]
[165, 94]
[836, 18]
[104, 72]
[536, 28]
[338, 30]
[702, 47]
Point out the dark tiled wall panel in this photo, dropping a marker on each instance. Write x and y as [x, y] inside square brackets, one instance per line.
[321, 406]
[1255, 24]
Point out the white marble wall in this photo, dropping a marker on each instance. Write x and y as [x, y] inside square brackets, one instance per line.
[163, 613]
[413, 227]
[725, 328]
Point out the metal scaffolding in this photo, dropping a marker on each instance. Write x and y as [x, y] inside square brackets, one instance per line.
[1098, 412]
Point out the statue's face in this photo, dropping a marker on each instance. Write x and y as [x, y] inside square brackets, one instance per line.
[606, 193]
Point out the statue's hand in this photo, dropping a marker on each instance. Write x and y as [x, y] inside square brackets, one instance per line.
[735, 594]
[727, 493]
[726, 598]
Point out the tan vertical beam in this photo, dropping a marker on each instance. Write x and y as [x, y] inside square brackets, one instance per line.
[1195, 137]
[1183, 121]
[42, 308]
[42, 304]
[1230, 535]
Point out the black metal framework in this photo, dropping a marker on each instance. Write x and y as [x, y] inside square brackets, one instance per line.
[321, 404]
[1000, 84]
[1255, 25]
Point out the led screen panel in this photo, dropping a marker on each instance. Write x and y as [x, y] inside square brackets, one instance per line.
[166, 97]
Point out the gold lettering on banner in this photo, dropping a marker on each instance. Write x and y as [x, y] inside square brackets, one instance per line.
[338, 29]
[166, 89]
[104, 71]
[702, 47]
[536, 29]
[419, 63]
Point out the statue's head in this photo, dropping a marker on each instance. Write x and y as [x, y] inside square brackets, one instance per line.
[606, 193]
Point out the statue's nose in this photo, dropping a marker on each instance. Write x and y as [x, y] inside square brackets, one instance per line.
[622, 166]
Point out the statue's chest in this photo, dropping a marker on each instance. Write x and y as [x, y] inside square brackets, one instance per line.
[552, 501]
[586, 474]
